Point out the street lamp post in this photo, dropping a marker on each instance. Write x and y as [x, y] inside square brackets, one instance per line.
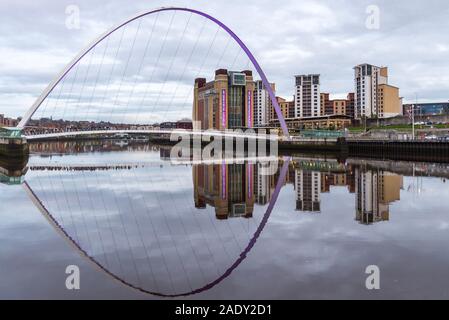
[413, 121]
[413, 115]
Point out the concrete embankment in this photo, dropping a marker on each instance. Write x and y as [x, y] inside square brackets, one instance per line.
[310, 145]
[400, 150]
[380, 149]
[339, 147]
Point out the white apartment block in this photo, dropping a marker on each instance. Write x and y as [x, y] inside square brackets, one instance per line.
[262, 104]
[307, 96]
[367, 79]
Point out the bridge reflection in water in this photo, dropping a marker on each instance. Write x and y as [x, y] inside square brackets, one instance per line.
[174, 230]
[140, 224]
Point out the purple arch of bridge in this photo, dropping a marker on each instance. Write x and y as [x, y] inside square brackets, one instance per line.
[67, 69]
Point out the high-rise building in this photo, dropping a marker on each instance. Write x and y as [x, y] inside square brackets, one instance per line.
[371, 87]
[339, 106]
[390, 104]
[291, 109]
[326, 104]
[367, 79]
[227, 102]
[283, 105]
[308, 188]
[307, 96]
[262, 104]
[287, 109]
[350, 111]
[427, 109]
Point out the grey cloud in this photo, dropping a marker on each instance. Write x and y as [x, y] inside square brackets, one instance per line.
[287, 38]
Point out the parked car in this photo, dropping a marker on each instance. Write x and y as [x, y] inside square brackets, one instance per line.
[431, 138]
[444, 139]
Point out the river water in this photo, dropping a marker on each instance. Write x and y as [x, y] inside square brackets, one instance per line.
[137, 225]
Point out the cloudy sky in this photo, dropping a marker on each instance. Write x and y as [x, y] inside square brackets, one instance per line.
[37, 39]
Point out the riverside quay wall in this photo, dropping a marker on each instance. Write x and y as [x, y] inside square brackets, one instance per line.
[369, 148]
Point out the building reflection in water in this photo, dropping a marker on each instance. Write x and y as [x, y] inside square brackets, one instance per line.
[12, 171]
[138, 221]
[264, 186]
[135, 218]
[314, 177]
[233, 189]
[375, 191]
[307, 186]
[229, 188]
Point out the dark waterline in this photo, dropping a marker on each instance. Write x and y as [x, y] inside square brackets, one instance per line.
[135, 223]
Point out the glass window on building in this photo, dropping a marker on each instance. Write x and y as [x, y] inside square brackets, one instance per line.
[235, 107]
[238, 79]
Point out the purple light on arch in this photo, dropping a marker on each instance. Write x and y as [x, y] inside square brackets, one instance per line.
[250, 109]
[224, 192]
[224, 107]
[69, 67]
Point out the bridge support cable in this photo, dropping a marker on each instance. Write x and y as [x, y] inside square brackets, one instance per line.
[220, 59]
[156, 65]
[91, 252]
[97, 77]
[79, 103]
[189, 94]
[104, 111]
[95, 218]
[109, 225]
[184, 228]
[158, 61]
[69, 95]
[181, 77]
[157, 237]
[78, 207]
[44, 107]
[173, 58]
[187, 98]
[88, 72]
[125, 69]
[58, 99]
[141, 64]
[194, 215]
[161, 207]
[120, 205]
